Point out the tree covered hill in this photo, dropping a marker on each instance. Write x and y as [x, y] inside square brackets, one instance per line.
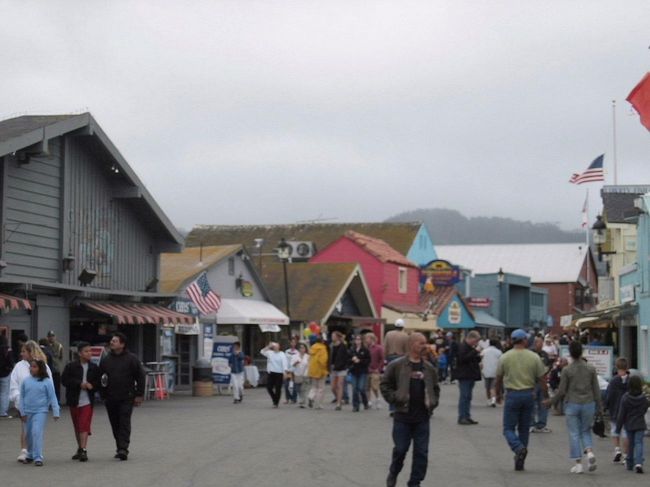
[448, 227]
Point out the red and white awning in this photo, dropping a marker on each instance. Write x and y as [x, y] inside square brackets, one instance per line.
[8, 302]
[139, 314]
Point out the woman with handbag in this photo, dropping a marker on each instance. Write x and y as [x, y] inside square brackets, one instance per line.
[580, 390]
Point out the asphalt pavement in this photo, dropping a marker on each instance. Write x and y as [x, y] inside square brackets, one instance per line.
[196, 442]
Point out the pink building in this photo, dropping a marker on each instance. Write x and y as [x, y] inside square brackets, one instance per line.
[391, 277]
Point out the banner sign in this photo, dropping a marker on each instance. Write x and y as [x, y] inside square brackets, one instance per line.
[440, 273]
[221, 352]
[479, 302]
[208, 335]
[602, 358]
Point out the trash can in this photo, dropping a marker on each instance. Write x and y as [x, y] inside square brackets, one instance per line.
[202, 385]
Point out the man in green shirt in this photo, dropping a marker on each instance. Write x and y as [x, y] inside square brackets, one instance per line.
[519, 371]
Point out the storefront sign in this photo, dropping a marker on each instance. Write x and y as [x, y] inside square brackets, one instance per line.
[441, 273]
[183, 329]
[602, 358]
[479, 302]
[627, 293]
[270, 328]
[221, 352]
[184, 305]
[455, 313]
[566, 320]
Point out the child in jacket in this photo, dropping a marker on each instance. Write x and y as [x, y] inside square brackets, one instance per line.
[631, 415]
[37, 396]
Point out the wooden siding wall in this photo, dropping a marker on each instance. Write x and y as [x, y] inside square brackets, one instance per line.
[32, 229]
[103, 233]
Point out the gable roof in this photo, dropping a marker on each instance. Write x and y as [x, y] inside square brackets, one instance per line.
[34, 131]
[179, 268]
[378, 248]
[315, 289]
[543, 263]
[618, 202]
[400, 236]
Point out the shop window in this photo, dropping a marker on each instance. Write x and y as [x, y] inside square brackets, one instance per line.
[403, 280]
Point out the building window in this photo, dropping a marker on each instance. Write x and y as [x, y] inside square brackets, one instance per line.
[537, 299]
[403, 280]
[231, 266]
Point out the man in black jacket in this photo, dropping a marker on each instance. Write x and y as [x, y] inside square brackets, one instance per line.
[411, 384]
[81, 378]
[468, 371]
[122, 388]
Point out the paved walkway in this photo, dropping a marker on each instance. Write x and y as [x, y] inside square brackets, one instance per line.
[197, 442]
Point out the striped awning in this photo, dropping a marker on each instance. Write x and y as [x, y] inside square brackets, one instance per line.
[8, 302]
[139, 314]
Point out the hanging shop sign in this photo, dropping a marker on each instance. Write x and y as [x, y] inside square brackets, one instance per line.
[440, 273]
[184, 305]
[184, 329]
[246, 289]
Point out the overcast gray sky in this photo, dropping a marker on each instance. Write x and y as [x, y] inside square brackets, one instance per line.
[274, 112]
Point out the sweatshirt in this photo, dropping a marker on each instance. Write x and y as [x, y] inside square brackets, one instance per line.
[18, 375]
[616, 388]
[631, 412]
[122, 376]
[38, 396]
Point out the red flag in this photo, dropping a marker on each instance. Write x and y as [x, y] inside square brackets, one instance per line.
[639, 98]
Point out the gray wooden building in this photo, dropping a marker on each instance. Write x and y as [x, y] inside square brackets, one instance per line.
[81, 235]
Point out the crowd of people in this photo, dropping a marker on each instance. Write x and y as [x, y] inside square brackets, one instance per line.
[523, 371]
[35, 374]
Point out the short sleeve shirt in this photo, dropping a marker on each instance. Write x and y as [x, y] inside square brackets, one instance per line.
[520, 369]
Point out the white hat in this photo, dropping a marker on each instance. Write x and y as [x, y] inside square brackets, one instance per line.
[399, 323]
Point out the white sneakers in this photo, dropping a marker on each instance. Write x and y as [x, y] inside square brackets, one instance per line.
[591, 464]
[23, 456]
[591, 461]
[577, 468]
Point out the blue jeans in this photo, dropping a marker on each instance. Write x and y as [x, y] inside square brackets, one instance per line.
[540, 417]
[4, 395]
[403, 434]
[579, 419]
[288, 394]
[359, 383]
[34, 430]
[465, 400]
[517, 416]
[635, 449]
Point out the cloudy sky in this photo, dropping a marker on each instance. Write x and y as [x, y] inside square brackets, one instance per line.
[281, 111]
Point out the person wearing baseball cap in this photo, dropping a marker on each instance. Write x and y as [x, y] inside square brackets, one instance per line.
[519, 371]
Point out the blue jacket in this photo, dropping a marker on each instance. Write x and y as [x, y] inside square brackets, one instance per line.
[236, 362]
[37, 396]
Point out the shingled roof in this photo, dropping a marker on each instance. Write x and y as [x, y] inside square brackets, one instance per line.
[177, 269]
[400, 236]
[15, 127]
[379, 249]
[315, 289]
[618, 202]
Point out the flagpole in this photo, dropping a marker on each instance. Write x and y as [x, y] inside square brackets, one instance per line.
[587, 235]
[614, 142]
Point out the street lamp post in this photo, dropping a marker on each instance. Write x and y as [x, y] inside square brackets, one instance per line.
[284, 254]
[599, 233]
[501, 279]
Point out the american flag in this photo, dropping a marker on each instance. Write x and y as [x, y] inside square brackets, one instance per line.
[203, 296]
[593, 173]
